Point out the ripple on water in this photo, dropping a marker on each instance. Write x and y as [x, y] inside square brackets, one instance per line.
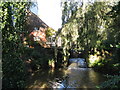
[70, 78]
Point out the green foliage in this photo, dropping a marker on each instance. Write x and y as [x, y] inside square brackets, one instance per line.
[69, 31]
[13, 26]
[112, 83]
[112, 41]
[39, 56]
[83, 30]
[50, 32]
[90, 27]
[69, 8]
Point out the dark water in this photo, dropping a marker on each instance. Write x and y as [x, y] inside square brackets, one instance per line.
[65, 78]
[45, 78]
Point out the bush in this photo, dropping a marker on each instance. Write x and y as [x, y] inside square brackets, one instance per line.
[113, 82]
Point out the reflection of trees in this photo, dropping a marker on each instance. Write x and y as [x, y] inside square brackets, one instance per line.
[82, 78]
[48, 77]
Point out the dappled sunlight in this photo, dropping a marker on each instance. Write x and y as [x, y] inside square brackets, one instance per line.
[99, 58]
[45, 78]
[86, 46]
[51, 63]
[51, 71]
[44, 86]
[93, 59]
[37, 84]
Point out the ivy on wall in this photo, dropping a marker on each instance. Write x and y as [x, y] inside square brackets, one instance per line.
[12, 24]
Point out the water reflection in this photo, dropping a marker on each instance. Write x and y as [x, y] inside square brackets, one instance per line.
[71, 78]
[83, 78]
[45, 78]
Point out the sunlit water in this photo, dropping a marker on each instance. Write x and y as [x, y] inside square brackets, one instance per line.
[73, 77]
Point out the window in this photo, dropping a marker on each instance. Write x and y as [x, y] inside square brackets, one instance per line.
[36, 28]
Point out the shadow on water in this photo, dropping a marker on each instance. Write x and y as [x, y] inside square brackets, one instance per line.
[73, 77]
[45, 78]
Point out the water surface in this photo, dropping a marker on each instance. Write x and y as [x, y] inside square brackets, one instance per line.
[65, 78]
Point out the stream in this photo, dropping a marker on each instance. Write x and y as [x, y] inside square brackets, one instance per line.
[77, 75]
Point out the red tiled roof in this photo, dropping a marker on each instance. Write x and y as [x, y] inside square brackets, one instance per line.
[39, 34]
